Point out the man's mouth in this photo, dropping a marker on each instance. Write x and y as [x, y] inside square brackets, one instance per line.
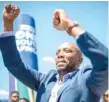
[62, 63]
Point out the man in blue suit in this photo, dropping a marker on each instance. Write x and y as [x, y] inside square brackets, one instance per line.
[68, 83]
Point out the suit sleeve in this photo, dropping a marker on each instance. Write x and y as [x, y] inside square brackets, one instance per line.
[14, 64]
[97, 80]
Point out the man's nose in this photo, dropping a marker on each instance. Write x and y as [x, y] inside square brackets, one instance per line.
[60, 55]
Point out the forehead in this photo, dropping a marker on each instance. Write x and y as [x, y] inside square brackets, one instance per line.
[14, 94]
[68, 45]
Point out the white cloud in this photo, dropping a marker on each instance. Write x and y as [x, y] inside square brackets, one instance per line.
[4, 92]
[49, 59]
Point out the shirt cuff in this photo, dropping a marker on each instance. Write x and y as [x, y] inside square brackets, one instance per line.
[7, 34]
[77, 37]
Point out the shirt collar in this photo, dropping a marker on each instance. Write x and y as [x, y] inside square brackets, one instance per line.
[67, 76]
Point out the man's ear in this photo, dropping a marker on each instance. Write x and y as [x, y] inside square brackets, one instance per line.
[80, 59]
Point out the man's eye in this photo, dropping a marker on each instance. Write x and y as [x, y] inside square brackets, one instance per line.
[67, 50]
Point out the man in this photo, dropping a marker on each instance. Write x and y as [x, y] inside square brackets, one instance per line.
[14, 96]
[68, 83]
[23, 100]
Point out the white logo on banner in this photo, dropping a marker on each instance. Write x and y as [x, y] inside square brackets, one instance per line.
[25, 39]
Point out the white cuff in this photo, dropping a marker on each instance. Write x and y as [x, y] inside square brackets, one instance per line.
[79, 35]
[7, 34]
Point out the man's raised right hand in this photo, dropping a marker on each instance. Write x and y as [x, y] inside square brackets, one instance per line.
[10, 12]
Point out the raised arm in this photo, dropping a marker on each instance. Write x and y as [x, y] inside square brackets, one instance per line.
[97, 80]
[10, 54]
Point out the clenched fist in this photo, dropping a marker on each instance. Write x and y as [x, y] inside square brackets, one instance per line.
[10, 12]
[60, 19]
[62, 22]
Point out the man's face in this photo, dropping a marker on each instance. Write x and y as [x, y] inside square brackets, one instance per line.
[67, 57]
[15, 97]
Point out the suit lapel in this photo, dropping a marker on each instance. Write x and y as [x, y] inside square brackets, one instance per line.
[65, 86]
[51, 85]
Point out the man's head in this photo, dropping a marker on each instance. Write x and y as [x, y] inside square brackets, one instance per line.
[14, 96]
[106, 96]
[68, 57]
[23, 100]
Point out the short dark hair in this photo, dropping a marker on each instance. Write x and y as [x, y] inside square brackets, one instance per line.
[25, 99]
[14, 92]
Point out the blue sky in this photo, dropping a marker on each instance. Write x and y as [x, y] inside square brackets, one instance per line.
[92, 16]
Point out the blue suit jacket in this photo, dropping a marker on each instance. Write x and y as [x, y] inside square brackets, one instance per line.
[84, 85]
